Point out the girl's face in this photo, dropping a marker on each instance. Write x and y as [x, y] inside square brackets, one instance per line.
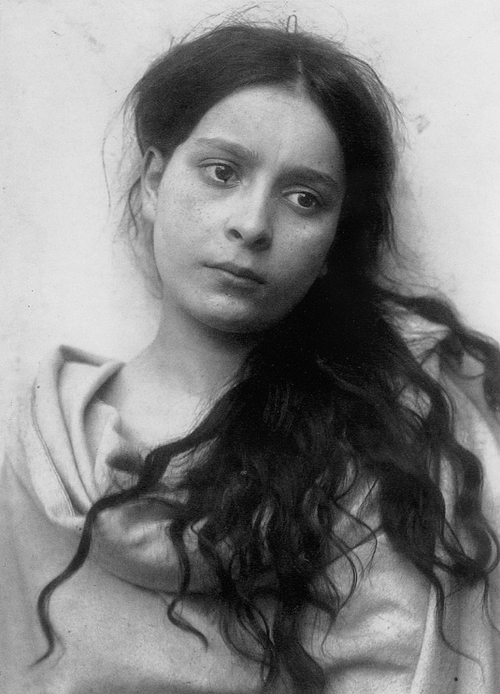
[245, 210]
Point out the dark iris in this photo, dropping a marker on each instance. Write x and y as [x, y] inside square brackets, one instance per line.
[223, 173]
[306, 200]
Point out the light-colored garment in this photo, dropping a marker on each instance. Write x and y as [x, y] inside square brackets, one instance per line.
[116, 634]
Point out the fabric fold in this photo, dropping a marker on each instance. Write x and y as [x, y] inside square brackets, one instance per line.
[111, 615]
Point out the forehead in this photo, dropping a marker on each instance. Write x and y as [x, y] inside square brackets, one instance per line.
[275, 124]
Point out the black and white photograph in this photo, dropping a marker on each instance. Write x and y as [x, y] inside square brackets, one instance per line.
[249, 337]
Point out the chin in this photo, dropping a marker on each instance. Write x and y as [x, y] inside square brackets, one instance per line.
[240, 325]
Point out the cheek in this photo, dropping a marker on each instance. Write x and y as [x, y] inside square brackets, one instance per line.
[307, 256]
[177, 219]
[175, 203]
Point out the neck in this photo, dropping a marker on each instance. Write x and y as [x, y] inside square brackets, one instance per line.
[201, 362]
[163, 391]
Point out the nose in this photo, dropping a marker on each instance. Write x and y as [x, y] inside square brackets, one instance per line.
[250, 218]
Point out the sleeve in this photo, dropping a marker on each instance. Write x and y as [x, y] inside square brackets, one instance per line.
[387, 638]
[374, 645]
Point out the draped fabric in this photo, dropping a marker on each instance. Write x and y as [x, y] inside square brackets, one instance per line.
[111, 615]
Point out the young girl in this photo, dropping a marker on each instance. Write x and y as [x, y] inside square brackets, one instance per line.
[295, 487]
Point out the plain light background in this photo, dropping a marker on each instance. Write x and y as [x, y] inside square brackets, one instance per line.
[67, 65]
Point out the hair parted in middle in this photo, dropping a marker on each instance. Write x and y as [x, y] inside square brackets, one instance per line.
[181, 86]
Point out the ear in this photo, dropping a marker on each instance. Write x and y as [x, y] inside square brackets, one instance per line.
[153, 165]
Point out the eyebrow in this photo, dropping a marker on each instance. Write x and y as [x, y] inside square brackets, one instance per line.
[228, 146]
[314, 175]
[235, 149]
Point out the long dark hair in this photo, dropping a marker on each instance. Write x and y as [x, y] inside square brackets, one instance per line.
[321, 408]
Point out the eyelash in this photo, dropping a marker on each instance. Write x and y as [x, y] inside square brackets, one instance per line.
[211, 172]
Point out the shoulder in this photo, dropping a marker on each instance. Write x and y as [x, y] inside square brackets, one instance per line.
[463, 362]
[467, 368]
[40, 414]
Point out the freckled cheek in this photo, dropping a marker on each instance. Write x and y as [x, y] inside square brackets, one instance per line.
[176, 201]
[306, 257]
[182, 218]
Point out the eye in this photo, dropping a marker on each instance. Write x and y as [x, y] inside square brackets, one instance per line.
[221, 173]
[305, 200]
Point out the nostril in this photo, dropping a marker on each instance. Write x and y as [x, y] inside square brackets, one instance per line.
[258, 240]
[262, 242]
[250, 224]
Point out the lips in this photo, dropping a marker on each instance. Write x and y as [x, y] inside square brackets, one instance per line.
[239, 271]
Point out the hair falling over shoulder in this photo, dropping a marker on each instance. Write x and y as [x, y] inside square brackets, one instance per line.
[331, 405]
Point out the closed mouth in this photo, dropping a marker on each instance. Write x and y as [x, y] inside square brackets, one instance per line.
[239, 271]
